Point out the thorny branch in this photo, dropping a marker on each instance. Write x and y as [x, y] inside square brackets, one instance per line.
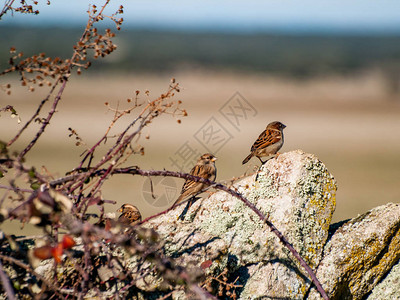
[45, 122]
[6, 283]
[24, 8]
[33, 116]
[218, 186]
[59, 207]
[29, 269]
[61, 70]
[116, 152]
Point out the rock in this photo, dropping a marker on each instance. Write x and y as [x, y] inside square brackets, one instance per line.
[360, 253]
[389, 287]
[220, 236]
[295, 190]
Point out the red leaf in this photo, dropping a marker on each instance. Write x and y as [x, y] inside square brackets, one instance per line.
[68, 242]
[43, 252]
[57, 252]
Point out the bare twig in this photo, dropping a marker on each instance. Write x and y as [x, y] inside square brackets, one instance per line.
[14, 189]
[218, 186]
[46, 122]
[6, 283]
[64, 72]
[262, 217]
[30, 270]
[6, 7]
[34, 115]
[75, 187]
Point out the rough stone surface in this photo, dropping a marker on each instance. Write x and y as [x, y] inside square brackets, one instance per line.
[356, 259]
[295, 190]
[360, 253]
[389, 287]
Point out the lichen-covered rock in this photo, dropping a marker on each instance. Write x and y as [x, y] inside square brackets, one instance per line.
[360, 253]
[296, 192]
[389, 287]
[357, 259]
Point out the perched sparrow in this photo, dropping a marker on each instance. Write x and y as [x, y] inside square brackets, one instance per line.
[268, 143]
[205, 167]
[130, 215]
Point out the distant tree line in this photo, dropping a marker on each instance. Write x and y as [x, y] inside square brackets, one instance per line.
[300, 56]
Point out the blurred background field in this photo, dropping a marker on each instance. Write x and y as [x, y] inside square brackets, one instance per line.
[338, 94]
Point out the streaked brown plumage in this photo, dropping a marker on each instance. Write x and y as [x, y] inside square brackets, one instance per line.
[130, 215]
[205, 167]
[268, 143]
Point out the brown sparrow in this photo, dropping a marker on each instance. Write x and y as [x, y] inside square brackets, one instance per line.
[205, 167]
[268, 143]
[130, 215]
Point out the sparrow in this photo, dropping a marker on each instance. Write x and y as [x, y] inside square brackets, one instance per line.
[268, 143]
[205, 167]
[130, 215]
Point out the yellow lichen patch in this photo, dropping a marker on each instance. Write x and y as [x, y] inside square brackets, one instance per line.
[361, 253]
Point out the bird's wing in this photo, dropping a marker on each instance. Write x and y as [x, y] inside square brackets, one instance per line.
[124, 219]
[267, 138]
[130, 217]
[198, 170]
[136, 216]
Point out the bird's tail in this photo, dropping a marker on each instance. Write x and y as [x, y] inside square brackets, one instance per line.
[247, 158]
[179, 200]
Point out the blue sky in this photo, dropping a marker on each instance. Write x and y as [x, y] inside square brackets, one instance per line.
[382, 16]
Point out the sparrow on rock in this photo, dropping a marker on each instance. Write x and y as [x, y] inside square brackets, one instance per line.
[268, 143]
[205, 168]
[130, 215]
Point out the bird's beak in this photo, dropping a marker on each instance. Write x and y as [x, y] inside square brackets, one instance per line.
[213, 159]
[283, 126]
[119, 210]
